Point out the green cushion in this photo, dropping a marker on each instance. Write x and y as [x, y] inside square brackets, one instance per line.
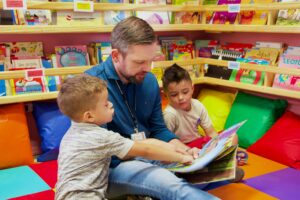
[260, 113]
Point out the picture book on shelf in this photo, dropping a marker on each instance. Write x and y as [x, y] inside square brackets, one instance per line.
[224, 17]
[185, 17]
[285, 81]
[254, 17]
[26, 49]
[209, 14]
[71, 18]
[249, 76]
[288, 16]
[70, 56]
[217, 159]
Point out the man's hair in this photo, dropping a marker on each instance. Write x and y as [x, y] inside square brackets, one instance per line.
[79, 94]
[174, 73]
[131, 31]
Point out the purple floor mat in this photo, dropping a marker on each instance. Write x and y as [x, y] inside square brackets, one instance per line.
[283, 184]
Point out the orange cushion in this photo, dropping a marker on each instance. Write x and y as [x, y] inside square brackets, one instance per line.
[15, 146]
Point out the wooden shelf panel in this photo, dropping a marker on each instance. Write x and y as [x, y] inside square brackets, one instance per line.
[254, 88]
[28, 97]
[48, 72]
[201, 80]
[147, 7]
[52, 29]
[201, 61]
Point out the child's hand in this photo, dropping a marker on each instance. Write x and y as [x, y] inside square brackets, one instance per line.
[187, 159]
[194, 152]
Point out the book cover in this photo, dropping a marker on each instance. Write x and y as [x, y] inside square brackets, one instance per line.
[249, 76]
[216, 149]
[27, 85]
[2, 82]
[113, 17]
[284, 81]
[26, 49]
[69, 56]
[70, 18]
[209, 14]
[255, 17]
[225, 17]
[185, 17]
[37, 17]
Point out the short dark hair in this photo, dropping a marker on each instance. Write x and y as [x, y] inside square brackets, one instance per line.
[174, 73]
[79, 94]
[132, 31]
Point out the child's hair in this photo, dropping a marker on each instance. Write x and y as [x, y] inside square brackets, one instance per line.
[79, 94]
[174, 73]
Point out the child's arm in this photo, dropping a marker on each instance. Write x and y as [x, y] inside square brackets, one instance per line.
[211, 132]
[157, 152]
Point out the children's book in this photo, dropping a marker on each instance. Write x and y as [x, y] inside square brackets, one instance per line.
[217, 157]
[218, 71]
[284, 81]
[70, 56]
[185, 17]
[209, 14]
[37, 17]
[225, 17]
[249, 76]
[26, 49]
[254, 17]
[70, 18]
[289, 17]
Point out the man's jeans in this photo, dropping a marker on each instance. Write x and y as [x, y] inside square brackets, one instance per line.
[144, 178]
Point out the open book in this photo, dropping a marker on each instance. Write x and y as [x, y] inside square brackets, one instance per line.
[216, 162]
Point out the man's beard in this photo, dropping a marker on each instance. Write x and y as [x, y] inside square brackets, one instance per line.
[132, 79]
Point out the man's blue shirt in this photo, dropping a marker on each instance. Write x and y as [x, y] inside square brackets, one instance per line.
[143, 99]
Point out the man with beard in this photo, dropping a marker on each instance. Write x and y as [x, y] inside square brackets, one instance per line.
[135, 95]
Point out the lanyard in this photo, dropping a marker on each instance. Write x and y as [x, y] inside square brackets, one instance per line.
[133, 117]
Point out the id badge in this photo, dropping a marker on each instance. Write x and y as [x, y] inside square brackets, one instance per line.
[138, 136]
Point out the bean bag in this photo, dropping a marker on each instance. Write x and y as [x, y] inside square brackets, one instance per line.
[52, 125]
[260, 113]
[218, 105]
[15, 149]
[282, 141]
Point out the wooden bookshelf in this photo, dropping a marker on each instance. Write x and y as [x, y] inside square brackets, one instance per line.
[48, 72]
[200, 80]
[52, 29]
[28, 97]
[158, 7]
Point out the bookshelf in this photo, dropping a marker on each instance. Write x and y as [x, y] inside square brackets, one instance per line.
[266, 89]
[269, 28]
[56, 29]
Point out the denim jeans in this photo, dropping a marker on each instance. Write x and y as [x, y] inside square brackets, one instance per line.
[145, 178]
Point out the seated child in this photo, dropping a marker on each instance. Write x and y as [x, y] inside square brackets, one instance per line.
[86, 148]
[184, 114]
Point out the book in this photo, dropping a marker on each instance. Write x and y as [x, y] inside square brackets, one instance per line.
[217, 156]
[254, 17]
[284, 81]
[71, 18]
[209, 14]
[249, 76]
[37, 17]
[289, 17]
[185, 17]
[70, 56]
[224, 17]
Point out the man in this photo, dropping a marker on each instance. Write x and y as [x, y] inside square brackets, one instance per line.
[135, 95]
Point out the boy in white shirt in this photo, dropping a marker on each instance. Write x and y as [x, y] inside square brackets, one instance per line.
[184, 114]
[86, 148]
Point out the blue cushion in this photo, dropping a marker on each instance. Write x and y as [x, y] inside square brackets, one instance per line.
[52, 125]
